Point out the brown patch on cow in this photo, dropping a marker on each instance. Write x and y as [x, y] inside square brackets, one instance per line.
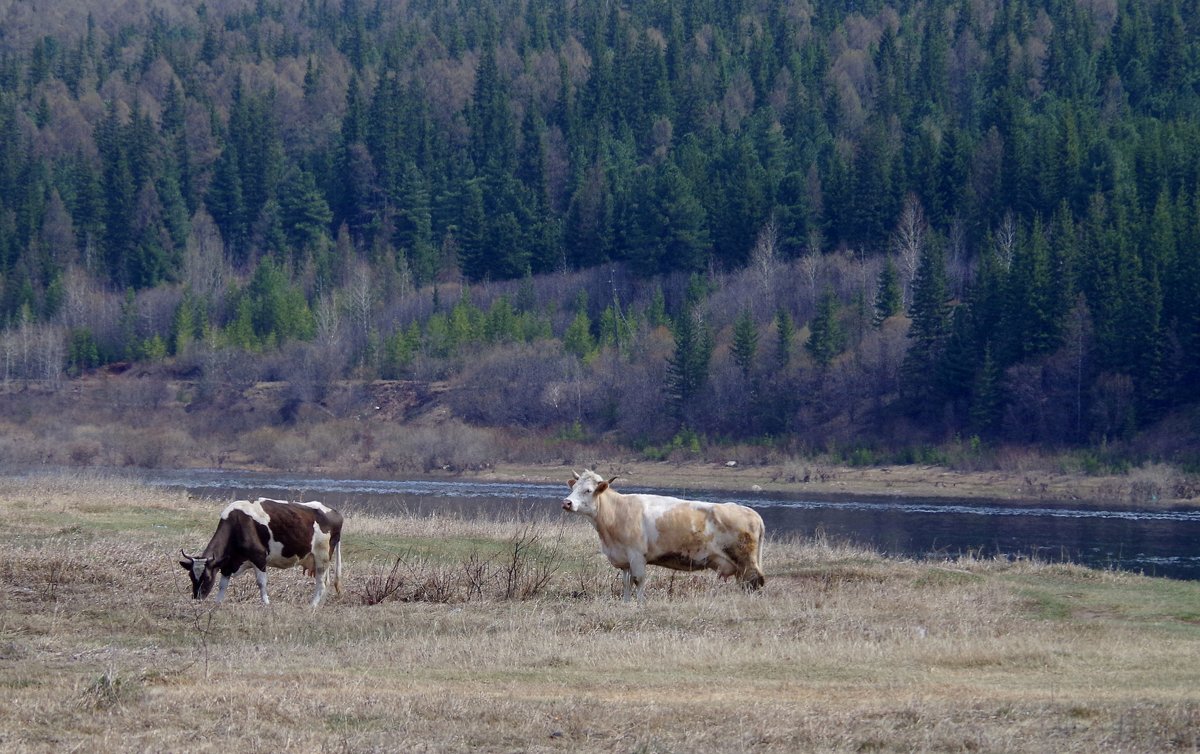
[744, 549]
[618, 519]
[678, 562]
[681, 531]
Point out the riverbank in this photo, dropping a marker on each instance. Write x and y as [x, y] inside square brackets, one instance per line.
[1152, 486]
[449, 637]
[387, 430]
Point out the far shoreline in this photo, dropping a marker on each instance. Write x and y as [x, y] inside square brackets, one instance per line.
[932, 484]
[929, 482]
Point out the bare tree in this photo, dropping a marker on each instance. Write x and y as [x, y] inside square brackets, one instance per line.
[328, 321]
[909, 240]
[204, 269]
[959, 258]
[764, 260]
[810, 263]
[359, 300]
[79, 291]
[1006, 240]
[8, 347]
[51, 355]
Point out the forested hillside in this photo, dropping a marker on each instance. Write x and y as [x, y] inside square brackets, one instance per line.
[807, 223]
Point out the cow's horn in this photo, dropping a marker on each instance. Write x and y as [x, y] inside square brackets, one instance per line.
[574, 473]
[184, 554]
[610, 481]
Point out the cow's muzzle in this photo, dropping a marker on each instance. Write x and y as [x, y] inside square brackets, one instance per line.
[567, 504]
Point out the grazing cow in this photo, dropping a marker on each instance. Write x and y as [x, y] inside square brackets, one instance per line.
[269, 533]
[685, 535]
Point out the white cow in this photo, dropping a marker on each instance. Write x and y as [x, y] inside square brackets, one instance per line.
[685, 535]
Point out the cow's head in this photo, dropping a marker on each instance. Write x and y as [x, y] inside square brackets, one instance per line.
[585, 489]
[203, 572]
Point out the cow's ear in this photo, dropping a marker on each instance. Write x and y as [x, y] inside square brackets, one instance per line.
[571, 483]
[186, 564]
[600, 488]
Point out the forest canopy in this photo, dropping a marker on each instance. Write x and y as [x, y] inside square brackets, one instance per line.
[847, 221]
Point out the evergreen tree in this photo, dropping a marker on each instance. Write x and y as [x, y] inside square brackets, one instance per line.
[826, 338]
[687, 369]
[578, 338]
[785, 333]
[1029, 323]
[889, 295]
[986, 400]
[745, 343]
[304, 213]
[930, 314]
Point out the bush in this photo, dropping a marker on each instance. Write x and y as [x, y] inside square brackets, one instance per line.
[149, 449]
[451, 446]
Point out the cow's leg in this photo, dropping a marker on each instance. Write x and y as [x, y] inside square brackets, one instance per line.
[321, 573]
[260, 575]
[637, 570]
[221, 585]
[626, 583]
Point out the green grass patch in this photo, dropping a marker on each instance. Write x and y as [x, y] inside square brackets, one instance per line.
[1114, 598]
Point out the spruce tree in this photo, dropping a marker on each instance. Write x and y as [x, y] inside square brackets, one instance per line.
[889, 296]
[687, 369]
[826, 338]
[785, 332]
[930, 313]
[745, 343]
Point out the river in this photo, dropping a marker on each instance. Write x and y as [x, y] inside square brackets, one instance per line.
[1156, 543]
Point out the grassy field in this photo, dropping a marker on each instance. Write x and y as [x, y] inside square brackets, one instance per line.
[452, 635]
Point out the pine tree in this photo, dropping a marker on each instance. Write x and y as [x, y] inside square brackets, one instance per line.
[930, 313]
[687, 369]
[889, 296]
[304, 212]
[826, 338]
[1029, 324]
[785, 333]
[986, 400]
[745, 343]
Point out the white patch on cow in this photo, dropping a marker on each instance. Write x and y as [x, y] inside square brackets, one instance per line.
[252, 509]
[275, 556]
[198, 566]
[316, 505]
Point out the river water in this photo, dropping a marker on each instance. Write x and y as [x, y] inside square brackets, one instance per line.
[1156, 543]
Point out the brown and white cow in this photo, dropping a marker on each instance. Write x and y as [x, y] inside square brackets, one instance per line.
[272, 533]
[685, 535]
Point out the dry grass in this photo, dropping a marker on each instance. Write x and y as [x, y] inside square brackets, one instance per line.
[102, 650]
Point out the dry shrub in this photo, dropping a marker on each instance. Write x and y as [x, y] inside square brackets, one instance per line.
[330, 440]
[148, 448]
[1016, 459]
[523, 569]
[20, 446]
[1153, 482]
[291, 452]
[795, 472]
[109, 690]
[84, 452]
[140, 392]
[259, 444]
[451, 446]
